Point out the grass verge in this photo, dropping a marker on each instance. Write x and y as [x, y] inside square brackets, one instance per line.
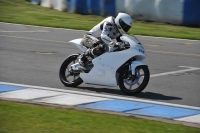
[20, 118]
[23, 12]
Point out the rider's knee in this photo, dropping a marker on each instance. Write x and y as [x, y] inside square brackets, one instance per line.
[98, 50]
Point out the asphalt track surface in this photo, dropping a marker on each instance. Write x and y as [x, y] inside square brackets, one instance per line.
[32, 55]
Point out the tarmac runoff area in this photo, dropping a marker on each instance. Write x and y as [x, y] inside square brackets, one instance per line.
[100, 102]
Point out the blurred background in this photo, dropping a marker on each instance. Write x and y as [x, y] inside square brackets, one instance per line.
[178, 12]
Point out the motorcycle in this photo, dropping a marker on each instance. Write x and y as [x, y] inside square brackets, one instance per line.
[121, 66]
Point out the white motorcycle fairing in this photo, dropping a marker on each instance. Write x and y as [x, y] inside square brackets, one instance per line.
[78, 44]
[106, 65]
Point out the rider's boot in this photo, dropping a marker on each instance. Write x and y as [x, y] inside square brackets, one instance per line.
[98, 50]
[83, 59]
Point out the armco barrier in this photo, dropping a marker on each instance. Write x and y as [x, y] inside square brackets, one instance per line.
[186, 12]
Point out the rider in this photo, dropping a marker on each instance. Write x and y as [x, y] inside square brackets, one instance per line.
[100, 37]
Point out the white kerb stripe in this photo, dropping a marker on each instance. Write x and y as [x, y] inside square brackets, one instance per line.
[100, 95]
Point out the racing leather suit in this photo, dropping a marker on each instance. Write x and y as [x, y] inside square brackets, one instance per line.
[105, 31]
[102, 34]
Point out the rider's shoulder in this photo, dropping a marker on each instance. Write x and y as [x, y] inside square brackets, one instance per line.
[109, 20]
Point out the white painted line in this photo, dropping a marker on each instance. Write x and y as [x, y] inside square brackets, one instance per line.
[100, 95]
[173, 53]
[85, 31]
[33, 39]
[71, 99]
[42, 26]
[37, 31]
[193, 119]
[189, 67]
[28, 94]
[174, 72]
[168, 38]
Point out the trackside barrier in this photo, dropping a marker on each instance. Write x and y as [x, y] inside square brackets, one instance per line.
[78, 6]
[169, 11]
[59, 5]
[71, 6]
[97, 7]
[46, 3]
[191, 12]
[36, 2]
[179, 12]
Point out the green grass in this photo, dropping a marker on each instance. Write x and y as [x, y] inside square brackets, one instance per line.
[23, 12]
[21, 118]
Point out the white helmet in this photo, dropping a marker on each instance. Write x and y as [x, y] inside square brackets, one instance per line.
[123, 22]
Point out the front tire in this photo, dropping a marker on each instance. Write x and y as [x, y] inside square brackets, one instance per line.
[134, 84]
[68, 77]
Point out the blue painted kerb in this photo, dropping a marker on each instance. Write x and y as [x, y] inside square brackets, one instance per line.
[141, 108]
[6, 88]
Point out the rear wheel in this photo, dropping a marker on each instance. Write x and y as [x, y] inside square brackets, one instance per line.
[67, 76]
[134, 84]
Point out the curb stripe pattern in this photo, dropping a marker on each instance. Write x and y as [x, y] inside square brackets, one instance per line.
[100, 102]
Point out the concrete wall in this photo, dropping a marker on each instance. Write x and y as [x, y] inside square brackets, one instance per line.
[179, 12]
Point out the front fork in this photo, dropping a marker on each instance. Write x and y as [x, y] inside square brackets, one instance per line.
[134, 65]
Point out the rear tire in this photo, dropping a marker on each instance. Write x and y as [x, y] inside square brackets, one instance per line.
[64, 73]
[139, 81]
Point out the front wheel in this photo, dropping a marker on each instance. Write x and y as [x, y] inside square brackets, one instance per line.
[67, 76]
[134, 84]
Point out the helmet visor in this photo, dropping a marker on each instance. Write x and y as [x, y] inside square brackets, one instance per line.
[124, 26]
